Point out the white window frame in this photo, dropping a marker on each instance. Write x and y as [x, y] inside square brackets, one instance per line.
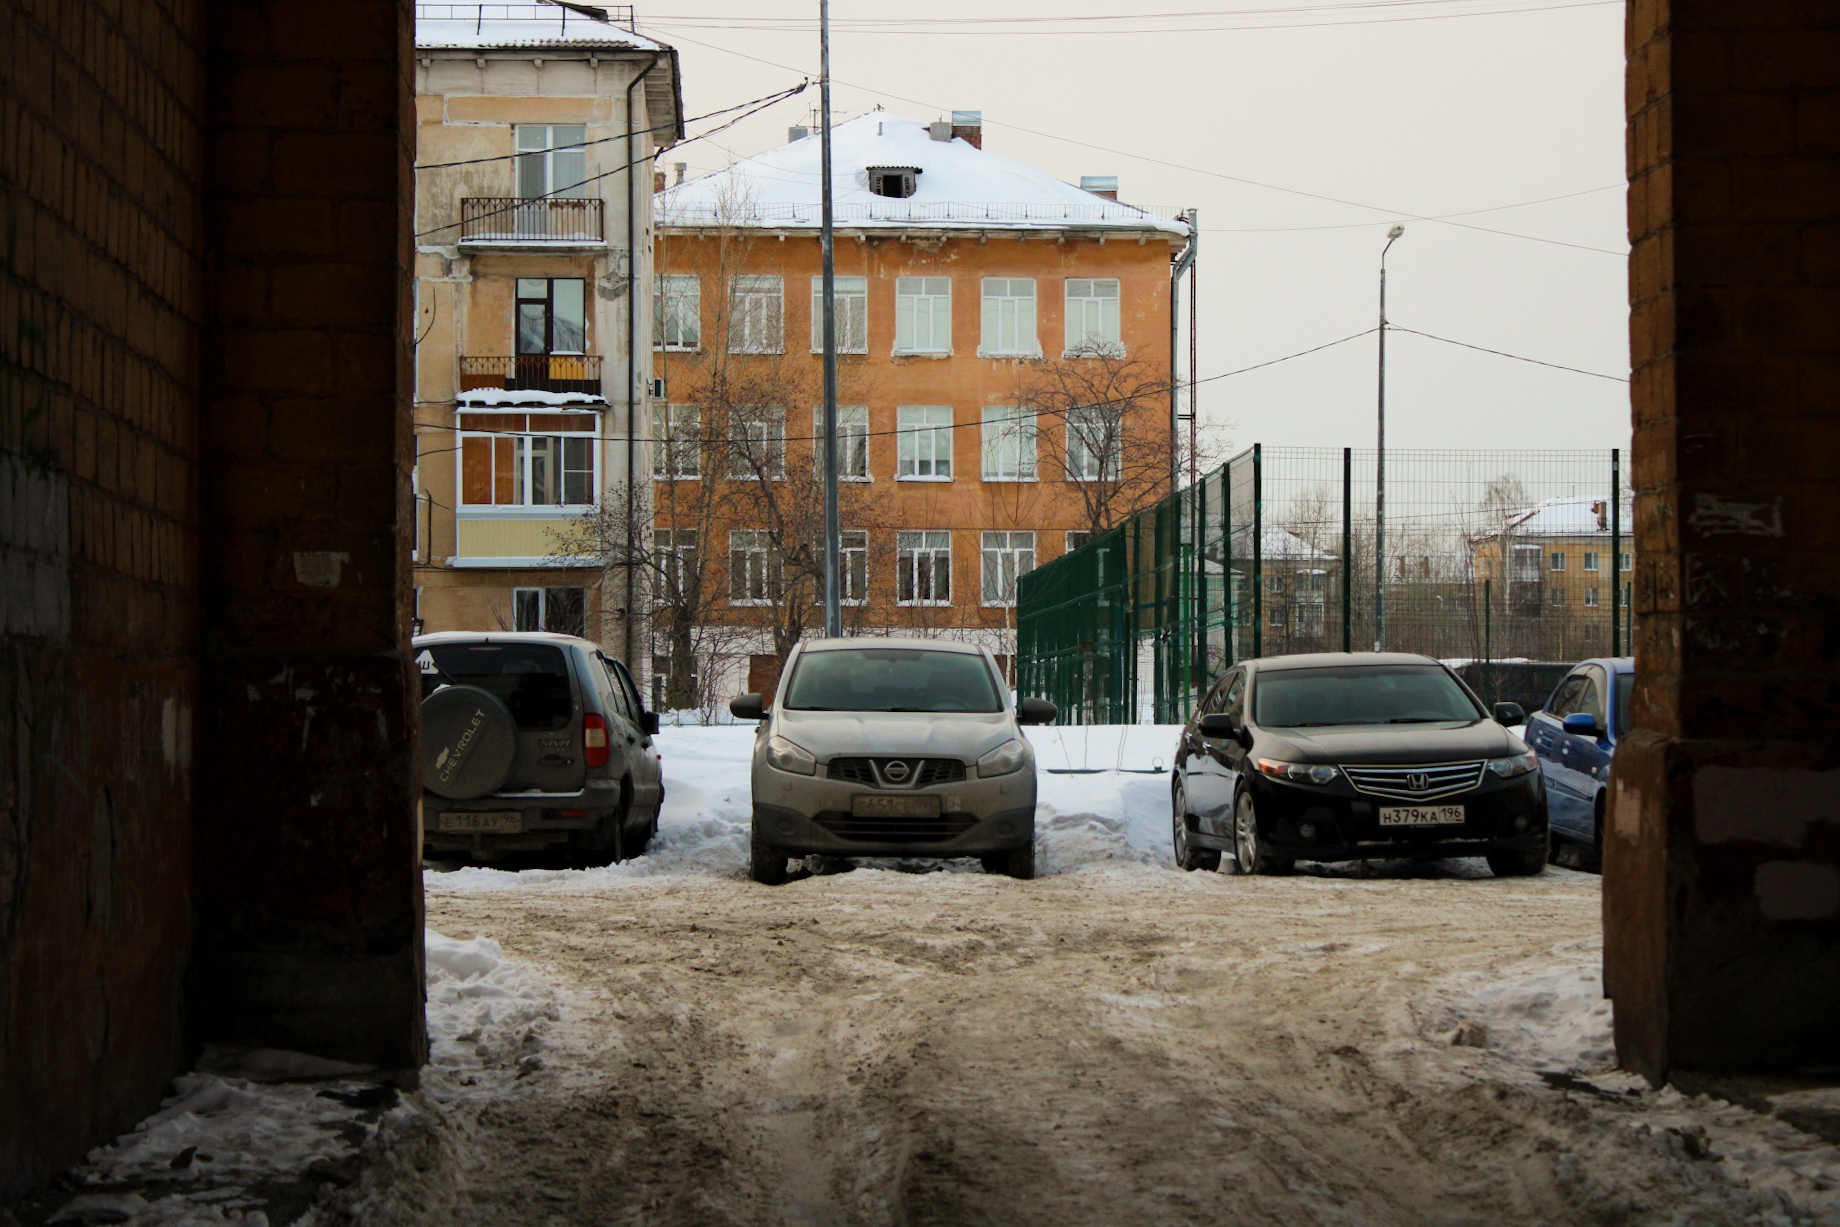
[1084, 299]
[1590, 598]
[852, 443]
[1007, 323]
[1009, 443]
[536, 145]
[1004, 558]
[679, 311]
[923, 441]
[1555, 561]
[669, 446]
[540, 598]
[1094, 467]
[853, 568]
[1626, 561]
[1590, 560]
[919, 556]
[757, 314]
[923, 315]
[852, 314]
[760, 570]
[756, 432]
[524, 457]
[1069, 545]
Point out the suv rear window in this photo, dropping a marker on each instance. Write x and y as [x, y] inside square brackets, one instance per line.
[532, 679]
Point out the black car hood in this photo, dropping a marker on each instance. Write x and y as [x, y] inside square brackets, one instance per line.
[1391, 743]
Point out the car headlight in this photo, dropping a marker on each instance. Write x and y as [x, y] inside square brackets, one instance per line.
[1297, 773]
[1515, 764]
[1008, 757]
[786, 756]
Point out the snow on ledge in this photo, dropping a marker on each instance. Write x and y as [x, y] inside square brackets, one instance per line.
[495, 397]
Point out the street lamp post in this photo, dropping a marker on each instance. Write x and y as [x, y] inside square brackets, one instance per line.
[833, 577]
[1392, 236]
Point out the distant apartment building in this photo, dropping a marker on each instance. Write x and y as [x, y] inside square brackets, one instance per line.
[1004, 366]
[536, 129]
[1558, 574]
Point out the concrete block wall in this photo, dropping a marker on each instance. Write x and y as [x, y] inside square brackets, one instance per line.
[1722, 874]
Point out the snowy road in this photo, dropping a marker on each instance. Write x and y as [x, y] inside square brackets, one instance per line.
[1115, 1043]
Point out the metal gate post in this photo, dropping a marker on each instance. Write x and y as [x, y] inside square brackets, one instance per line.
[1347, 549]
[1488, 642]
[1258, 550]
[1228, 625]
[1616, 551]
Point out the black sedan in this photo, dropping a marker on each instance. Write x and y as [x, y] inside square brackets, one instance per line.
[1354, 756]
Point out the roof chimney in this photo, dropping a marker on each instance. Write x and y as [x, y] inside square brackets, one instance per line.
[797, 132]
[1100, 185]
[939, 130]
[680, 168]
[969, 127]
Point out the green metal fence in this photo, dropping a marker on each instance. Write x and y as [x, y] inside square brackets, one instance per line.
[1508, 564]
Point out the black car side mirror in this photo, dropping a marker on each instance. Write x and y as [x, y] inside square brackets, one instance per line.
[748, 707]
[648, 723]
[1036, 711]
[1510, 714]
[1219, 725]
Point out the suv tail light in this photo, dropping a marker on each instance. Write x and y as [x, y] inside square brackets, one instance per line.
[594, 739]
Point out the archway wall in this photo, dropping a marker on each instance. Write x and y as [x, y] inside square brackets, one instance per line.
[1722, 856]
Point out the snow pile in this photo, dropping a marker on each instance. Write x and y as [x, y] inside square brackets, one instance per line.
[483, 1009]
[1548, 1014]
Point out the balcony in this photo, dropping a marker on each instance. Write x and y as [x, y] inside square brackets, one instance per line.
[510, 221]
[532, 373]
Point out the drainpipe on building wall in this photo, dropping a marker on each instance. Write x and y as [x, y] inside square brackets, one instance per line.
[632, 353]
[1180, 266]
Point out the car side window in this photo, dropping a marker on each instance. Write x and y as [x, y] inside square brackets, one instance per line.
[1565, 699]
[616, 691]
[1235, 702]
[1216, 697]
[633, 702]
[1591, 695]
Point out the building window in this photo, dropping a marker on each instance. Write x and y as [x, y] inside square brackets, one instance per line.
[853, 567]
[1076, 537]
[1555, 595]
[1555, 560]
[1590, 597]
[562, 610]
[852, 442]
[551, 161]
[924, 447]
[756, 322]
[923, 568]
[922, 315]
[1093, 443]
[1625, 562]
[1092, 317]
[551, 315]
[1590, 560]
[753, 571]
[678, 456]
[756, 443]
[1623, 596]
[674, 550]
[677, 315]
[663, 665]
[526, 460]
[1006, 557]
[852, 295]
[1009, 317]
[1009, 443]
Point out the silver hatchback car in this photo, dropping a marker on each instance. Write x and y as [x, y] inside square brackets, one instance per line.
[892, 747]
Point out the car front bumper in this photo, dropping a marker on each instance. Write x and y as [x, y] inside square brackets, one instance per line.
[1300, 822]
[966, 835]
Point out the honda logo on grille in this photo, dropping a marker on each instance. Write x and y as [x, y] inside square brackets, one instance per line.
[895, 771]
[1418, 781]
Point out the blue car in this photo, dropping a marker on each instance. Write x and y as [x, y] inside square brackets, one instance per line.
[1575, 735]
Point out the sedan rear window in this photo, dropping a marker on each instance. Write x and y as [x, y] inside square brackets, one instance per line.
[1360, 694]
[891, 679]
[532, 679]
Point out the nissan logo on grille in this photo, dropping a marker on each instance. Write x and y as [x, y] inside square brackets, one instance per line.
[1418, 781]
[896, 771]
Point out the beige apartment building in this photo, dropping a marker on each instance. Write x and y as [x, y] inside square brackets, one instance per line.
[537, 126]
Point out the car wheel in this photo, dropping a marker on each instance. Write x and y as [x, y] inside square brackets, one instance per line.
[1248, 854]
[766, 864]
[1187, 856]
[1015, 863]
[1518, 864]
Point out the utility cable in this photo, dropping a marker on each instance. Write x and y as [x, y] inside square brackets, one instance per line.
[803, 23]
[1391, 327]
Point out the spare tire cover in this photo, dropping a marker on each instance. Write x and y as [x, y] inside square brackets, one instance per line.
[468, 742]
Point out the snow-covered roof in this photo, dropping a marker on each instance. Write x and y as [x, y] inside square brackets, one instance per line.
[959, 186]
[1573, 516]
[484, 26]
[1276, 543]
[493, 398]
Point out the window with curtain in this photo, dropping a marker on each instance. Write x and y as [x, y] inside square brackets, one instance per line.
[852, 297]
[852, 442]
[677, 455]
[1093, 443]
[923, 436]
[1009, 443]
[756, 443]
[923, 567]
[677, 312]
[756, 322]
[1092, 317]
[1006, 556]
[753, 571]
[1009, 317]
[551, 161]
[922, 315]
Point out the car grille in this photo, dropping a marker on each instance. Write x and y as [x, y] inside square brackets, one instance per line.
[1416, 782]
[897, 830]
[872, 772]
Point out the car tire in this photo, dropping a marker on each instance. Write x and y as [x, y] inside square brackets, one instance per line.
[1518, 864]
[766, 864]
[1016, 863]
[1248, 850]
[1187, 856]
[637, 844]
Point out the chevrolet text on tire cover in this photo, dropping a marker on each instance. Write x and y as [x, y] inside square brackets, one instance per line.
[468, 742]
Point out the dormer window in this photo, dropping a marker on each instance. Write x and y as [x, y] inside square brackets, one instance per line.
[893, 181]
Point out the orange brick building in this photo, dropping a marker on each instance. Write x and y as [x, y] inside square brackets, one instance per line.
[1004, 368]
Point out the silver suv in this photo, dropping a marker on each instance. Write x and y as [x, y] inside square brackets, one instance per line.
[892, 747]
[534, 741]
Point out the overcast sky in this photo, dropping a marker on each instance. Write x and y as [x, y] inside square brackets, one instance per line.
[1424, 116]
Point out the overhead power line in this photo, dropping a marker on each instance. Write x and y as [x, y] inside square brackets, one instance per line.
[1391, 327]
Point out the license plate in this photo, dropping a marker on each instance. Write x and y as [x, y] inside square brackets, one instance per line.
[1421, 815]
[894, 807]
[502, 823]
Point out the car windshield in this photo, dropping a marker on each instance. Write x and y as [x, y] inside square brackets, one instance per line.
[532, 679]
[1360, 694]
[891, 679]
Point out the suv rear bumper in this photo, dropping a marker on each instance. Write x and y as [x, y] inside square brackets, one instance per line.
[541, 817]
[799, 835]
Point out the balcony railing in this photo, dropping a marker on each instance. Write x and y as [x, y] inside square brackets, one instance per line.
[509, 219]
[532, 373]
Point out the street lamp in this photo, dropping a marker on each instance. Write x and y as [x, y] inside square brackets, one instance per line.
[1392, 236]
[833, 577]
